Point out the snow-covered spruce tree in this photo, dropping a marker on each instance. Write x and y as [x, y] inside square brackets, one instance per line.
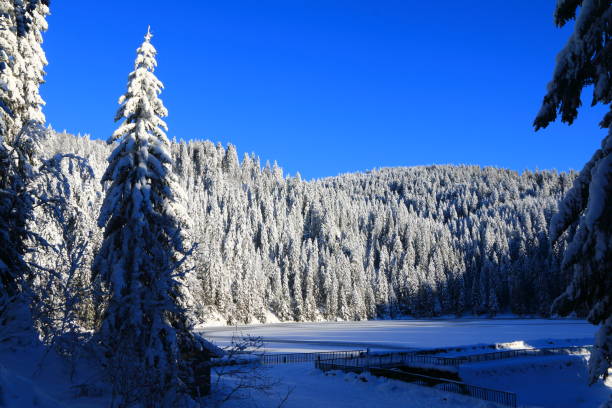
[585, 213]
[23, 60]
[20, 23]
[31, 24]
[144, 332]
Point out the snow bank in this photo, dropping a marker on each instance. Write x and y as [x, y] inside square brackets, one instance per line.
[305, 387]
[559, 381]
[19, 392]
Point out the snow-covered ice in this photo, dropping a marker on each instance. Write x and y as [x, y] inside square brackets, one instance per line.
[402, 334]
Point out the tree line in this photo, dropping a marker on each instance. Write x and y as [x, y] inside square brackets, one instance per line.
[420, 241]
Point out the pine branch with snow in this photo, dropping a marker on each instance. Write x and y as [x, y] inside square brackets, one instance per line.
[586, 211]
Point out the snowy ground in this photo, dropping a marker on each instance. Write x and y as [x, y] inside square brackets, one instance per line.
[401, 334]
[549, 381]
[32, 378]
[303, 386]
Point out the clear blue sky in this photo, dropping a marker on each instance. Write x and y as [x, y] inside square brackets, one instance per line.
[326, 87]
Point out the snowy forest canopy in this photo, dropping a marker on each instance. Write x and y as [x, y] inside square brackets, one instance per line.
[421, 241]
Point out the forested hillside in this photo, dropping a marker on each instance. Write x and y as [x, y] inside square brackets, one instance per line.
[417, 241]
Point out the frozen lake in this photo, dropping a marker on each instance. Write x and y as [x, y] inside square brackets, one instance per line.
[402, 334]
[550, 381]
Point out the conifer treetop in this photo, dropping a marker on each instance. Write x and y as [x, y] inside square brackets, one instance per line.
[141, 160]
[141, 102]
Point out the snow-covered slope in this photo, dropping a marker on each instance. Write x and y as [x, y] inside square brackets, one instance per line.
[420, 241]
[34, 376]
[20, 392]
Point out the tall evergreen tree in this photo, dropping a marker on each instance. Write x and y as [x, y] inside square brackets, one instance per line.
[586, 211]
[12, 266]
[144, 330]
[20, 24]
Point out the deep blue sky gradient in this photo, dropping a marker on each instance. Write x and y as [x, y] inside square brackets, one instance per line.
[327, 87]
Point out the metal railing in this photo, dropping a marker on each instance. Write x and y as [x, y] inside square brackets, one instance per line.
[401, 358]
[379, 364]
[414, 358]
[486, 394]
[499, 355]
[290, 358]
